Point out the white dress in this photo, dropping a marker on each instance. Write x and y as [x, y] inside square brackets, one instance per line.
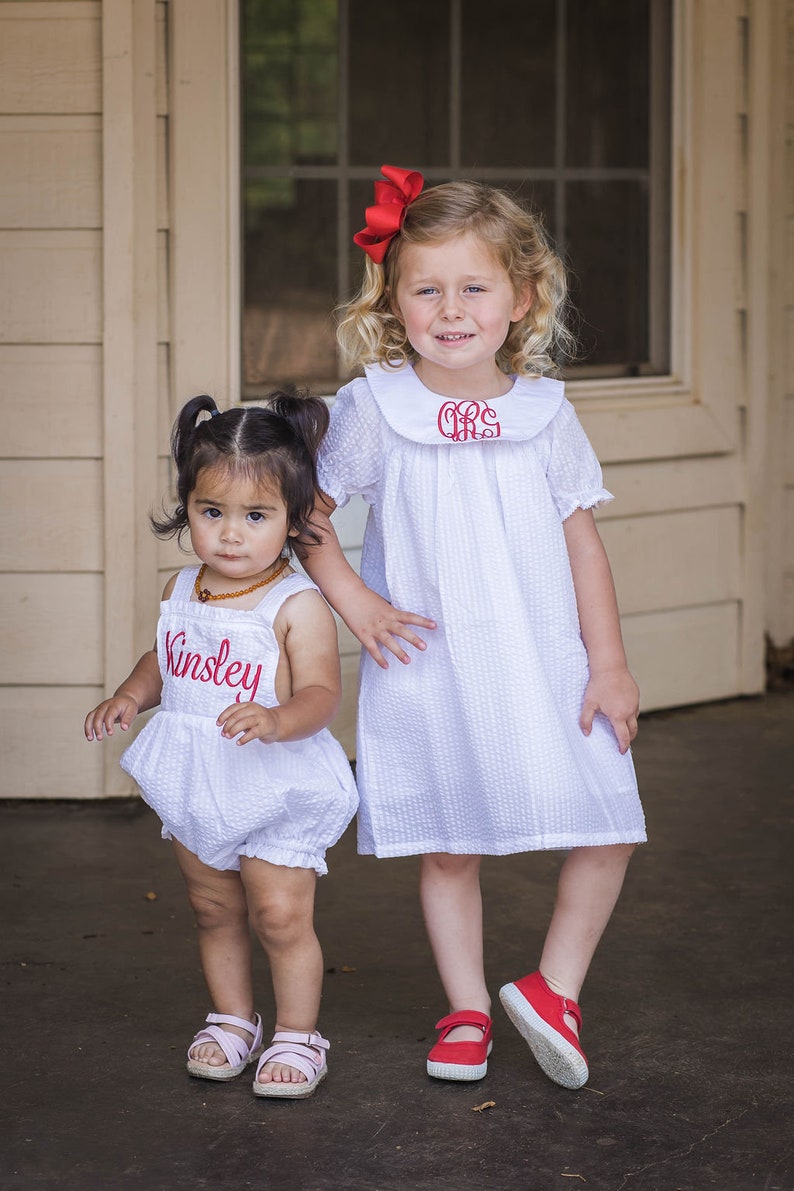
[475, 747]
[283, 802]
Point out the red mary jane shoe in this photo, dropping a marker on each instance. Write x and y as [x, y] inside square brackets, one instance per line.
[537, 1014]
[461, 1060]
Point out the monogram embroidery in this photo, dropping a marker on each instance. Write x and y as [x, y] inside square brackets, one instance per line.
[465, 420]
[217, 670]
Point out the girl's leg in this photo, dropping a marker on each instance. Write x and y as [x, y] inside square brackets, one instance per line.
[449, 888]
[281, 906]
[224, 939]
[589, 884]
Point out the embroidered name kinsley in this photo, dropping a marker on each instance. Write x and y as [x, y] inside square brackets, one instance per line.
[184, 664]
[462, 420]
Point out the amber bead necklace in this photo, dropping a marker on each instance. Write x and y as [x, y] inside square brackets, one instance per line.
[204, 596]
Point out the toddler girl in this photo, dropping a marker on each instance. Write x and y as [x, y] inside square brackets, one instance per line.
[247, 656]
[511, 733]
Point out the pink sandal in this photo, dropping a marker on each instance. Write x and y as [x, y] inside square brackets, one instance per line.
[304, 1052]
[238, 1053]
[461, 1060]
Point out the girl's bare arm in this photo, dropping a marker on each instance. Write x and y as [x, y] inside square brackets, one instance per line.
[138, 692]
[306, 627]
[374, 621]
[611, 690]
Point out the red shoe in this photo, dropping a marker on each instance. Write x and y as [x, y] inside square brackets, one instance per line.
[537, 1014]
[461, 1060]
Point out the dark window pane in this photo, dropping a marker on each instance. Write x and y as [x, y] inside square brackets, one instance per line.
[608, 254]
[507, 83]
[290, 282]
[290, 81]
[607, 76]
[537, 197]
[399, 83]
[564, 102]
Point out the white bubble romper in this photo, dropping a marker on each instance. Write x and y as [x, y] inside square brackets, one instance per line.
[283, 802]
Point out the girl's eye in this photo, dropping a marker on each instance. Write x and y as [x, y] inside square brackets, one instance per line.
[474, 289]
[429, 289]
[213, 514]
[256, 517]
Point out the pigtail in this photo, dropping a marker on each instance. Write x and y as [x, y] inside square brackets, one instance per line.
[307, 416]
[185, 428]
[183, 448]
[307, 421]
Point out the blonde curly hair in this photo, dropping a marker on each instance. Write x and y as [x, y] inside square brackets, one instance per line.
[369, 331]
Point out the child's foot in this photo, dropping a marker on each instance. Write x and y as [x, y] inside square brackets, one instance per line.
[224, 1053]
[292, 1066]
[550, 1024]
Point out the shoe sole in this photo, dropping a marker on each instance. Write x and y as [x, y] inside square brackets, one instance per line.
[222, 1073]
[553, 1053]
[458, 1070]
[289, 1091]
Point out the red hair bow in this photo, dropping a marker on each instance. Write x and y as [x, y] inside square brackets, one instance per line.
[385, 219]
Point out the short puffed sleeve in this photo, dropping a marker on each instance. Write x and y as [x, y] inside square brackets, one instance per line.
[350, 457]
[572, 469]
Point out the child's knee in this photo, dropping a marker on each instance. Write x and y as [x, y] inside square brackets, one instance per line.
[278, 921]
[213, 913]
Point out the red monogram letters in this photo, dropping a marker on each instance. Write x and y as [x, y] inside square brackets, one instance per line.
[192, 665]
[464, 420]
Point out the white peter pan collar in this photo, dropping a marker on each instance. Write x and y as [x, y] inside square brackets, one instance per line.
[416, 413]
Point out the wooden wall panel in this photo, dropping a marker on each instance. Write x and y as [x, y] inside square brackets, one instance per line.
[52, 400]
[671, 485]
[39, 643]
[52, 286]
[690, 655]
[68, 767]
[62, 499]
[675, 559]
[50, 58]
[51, 168]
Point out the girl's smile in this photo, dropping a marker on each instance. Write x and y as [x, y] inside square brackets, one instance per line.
[456, 303]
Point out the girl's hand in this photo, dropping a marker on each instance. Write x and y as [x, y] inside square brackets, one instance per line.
[615, 694]
[252, 720]
[375, 622]
[120, 708]
[378, 624]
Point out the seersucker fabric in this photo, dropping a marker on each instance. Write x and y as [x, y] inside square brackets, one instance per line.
[284, 802]
[475, 747]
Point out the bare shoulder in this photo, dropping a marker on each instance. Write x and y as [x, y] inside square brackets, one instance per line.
[304, 609]
[169, 587]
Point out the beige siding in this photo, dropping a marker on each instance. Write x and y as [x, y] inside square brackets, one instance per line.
[82, 308]
[50, 376]
[108, 323]
[782, 602]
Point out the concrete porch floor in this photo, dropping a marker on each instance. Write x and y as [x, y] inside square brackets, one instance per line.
[686, 1010]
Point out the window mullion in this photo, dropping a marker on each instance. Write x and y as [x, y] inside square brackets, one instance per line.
[455, 87]
[561, 50]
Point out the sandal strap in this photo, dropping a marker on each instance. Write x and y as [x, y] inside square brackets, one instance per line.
[235, 1048]
[464, 1017]
[250, 1026]
[298, 1051]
